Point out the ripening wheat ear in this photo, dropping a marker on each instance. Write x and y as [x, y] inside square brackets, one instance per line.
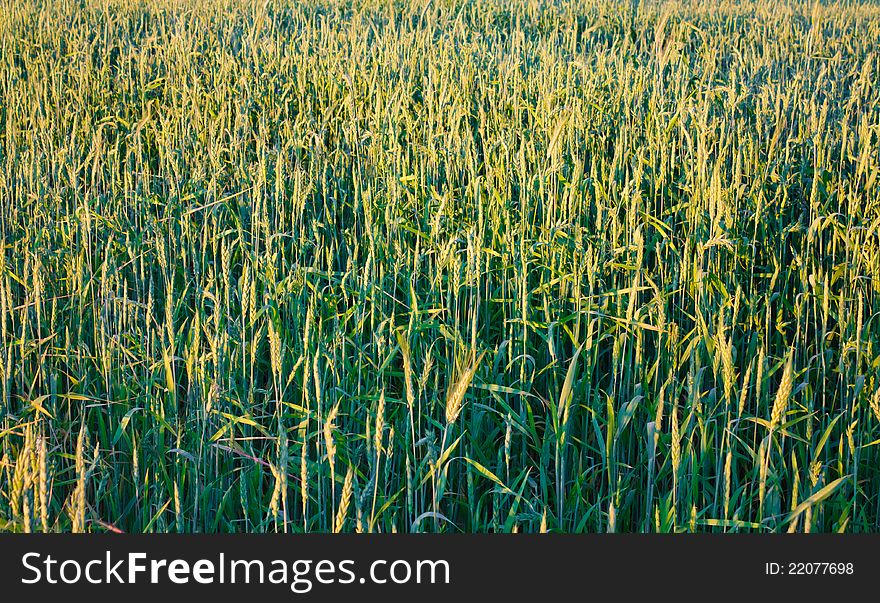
[78, 504]
[728, 373]
[275, 351]
[329, 426]
[675, 454]
[780, 403]
[875, 404]
[342, 511]
[304, 470]
[380, 425]
[45, 493]
[744, 392]
[21, 484]
[456, 394]
[407, 369]
[675, 445]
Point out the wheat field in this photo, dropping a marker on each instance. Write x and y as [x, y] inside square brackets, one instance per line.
[439, 266]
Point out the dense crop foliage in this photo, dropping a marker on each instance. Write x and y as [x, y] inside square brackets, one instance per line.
[439, 265]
